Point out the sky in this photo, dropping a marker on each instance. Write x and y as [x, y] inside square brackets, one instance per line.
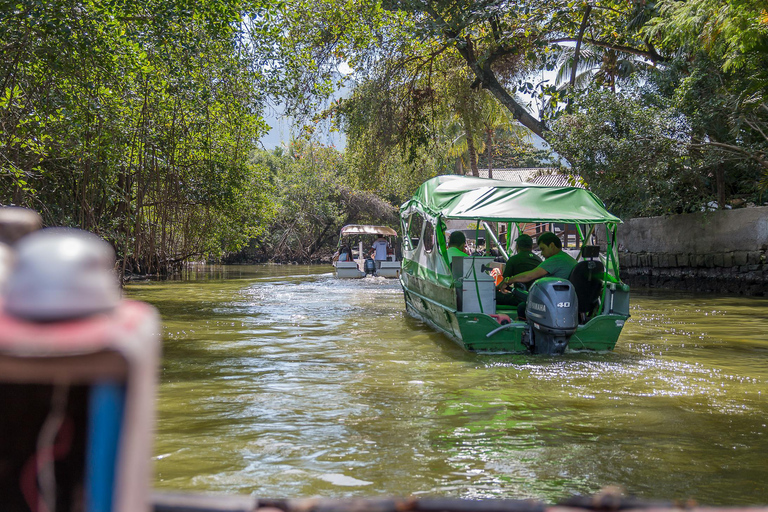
[281, 128]
[281, 125]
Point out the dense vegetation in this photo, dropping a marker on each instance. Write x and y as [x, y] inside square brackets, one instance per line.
[135, 121]
[141, 122]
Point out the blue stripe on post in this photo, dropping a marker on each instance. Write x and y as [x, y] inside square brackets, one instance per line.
[106, 403]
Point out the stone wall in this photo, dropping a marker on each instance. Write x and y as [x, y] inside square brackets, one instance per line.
[722, 251]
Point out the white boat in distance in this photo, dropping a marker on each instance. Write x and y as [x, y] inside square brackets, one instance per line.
[350, 265]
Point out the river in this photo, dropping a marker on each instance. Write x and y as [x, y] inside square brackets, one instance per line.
[282, 381]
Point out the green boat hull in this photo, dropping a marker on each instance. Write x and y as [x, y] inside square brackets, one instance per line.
[436, 306]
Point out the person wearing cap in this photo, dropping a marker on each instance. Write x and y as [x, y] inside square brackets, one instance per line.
[557, 263]
[456, 245]
[523, 261]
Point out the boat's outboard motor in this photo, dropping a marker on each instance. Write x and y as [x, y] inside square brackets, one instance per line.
[552, 314]
[369, 266]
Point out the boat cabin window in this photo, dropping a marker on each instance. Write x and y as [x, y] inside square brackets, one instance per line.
[569, 234]
[429, 237]
[413, 228]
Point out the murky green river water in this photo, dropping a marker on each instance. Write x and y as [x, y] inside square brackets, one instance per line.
[281, 381]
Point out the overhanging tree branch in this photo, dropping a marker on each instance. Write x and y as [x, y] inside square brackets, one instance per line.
[487, 78]
[649, 54]
[756, 156]
[485, 75]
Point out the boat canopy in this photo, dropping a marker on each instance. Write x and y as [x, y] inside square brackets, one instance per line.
[360, 229]
[465, 197]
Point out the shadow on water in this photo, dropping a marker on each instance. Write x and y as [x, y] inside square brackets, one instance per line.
[281, 381]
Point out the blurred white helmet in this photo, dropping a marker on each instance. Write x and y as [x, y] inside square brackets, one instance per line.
[61, 273]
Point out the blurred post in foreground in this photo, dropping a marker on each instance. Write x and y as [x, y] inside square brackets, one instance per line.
[77, 378]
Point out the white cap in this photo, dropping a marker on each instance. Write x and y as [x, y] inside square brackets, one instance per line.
[61, 273]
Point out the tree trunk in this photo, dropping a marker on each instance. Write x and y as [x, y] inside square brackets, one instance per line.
[487, 78]
[489, 151]
[720, 178]
[577, 50]
[459, 165]
[470, 135]
[472, 155]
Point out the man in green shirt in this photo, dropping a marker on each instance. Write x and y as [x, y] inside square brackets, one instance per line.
[523, 261]
[557, 263]
[456, 245]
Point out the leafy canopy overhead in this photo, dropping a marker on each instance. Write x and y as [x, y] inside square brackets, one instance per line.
[499, 43]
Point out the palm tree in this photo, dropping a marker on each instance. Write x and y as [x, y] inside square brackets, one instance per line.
[464, 141]
[465, 126]
[476, 129]
[498, 122]
[604, 67]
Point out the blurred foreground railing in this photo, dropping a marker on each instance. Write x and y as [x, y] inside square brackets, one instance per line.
[600, 503]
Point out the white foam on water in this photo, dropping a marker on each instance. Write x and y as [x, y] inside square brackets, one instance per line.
[343, 480]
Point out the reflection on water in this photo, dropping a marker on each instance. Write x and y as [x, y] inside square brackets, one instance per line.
[281, 381]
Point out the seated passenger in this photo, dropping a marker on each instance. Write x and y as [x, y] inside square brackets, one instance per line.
[456, 245]
[557, 263]
[344, 254]
[523, 261]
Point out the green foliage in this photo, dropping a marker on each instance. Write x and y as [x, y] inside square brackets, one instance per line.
[140, 121]
[734, 32]
[414, 46]
[721, 80]
[631, 155]
[645, 154]
[403, 127]
[504, 45]
[314, 197]
[135, 121]
[382, 118]
[513, 151]
[394, 124]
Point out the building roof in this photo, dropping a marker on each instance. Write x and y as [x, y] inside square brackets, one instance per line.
[522, 174]
[546, 176]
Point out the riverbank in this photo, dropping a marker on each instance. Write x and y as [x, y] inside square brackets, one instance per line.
[724, 251]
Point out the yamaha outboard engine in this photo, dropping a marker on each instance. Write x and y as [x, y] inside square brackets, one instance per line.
[369, 266]
[552, 314]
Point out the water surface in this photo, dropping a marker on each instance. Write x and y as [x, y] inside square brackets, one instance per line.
[281, 381]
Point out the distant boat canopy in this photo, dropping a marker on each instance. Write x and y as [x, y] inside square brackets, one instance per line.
[359, 229]
[357, 268]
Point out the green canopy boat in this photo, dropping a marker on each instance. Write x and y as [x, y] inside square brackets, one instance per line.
[586, 312]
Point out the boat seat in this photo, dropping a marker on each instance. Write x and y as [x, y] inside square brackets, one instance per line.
[587, 280]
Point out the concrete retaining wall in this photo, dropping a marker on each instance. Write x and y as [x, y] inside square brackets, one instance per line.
[722, 251]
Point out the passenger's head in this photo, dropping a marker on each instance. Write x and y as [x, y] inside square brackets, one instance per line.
[457, 239]
[549, 244]
[524, 242]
